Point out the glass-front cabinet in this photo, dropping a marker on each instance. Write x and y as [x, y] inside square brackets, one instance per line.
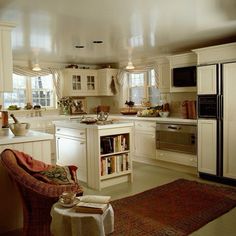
[80, 82]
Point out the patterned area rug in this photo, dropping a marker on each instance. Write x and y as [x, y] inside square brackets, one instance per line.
[177, 208]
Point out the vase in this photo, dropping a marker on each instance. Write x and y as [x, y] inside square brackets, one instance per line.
[65, 110]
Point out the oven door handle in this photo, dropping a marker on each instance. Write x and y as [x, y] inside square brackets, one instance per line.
[174, 127]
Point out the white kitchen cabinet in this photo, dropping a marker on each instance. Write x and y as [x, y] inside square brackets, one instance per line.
[106, 77]
[178, 61]
[229, 121]
[145, 139]
[6, 63]
[207, 142]
[164, 77]
[71, 149]
[80, 82]
[206, 79]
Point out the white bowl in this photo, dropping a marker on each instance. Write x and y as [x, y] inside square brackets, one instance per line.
[19, 129]
[164, 113]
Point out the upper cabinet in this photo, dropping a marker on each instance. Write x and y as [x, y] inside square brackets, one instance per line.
[107, 82]
[80, 82]
[206, 79]
[216, 54]
[6, 63]
[186, 60]
[164, 77]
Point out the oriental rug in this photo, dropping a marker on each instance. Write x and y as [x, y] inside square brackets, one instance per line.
[177, 208]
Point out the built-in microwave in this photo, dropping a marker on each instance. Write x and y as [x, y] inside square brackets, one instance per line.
[184, 77]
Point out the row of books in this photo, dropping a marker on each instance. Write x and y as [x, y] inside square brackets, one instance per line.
[115, 164]
[110, 144]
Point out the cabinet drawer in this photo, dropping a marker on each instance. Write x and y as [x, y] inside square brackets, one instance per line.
[80, 133]
[145, 125]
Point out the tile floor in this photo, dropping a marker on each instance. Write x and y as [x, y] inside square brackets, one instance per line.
[148, 176]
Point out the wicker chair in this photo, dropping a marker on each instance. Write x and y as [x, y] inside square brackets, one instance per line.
[37, 196]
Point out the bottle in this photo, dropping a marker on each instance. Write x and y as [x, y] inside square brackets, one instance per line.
[5, 119]
[14, 118]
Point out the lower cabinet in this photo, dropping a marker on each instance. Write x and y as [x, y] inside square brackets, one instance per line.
[71, 150]
[145, 139]
[207, 146]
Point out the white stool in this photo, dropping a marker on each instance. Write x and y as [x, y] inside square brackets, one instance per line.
[67, 222]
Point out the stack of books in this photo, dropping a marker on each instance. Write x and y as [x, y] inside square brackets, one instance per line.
[92, 204]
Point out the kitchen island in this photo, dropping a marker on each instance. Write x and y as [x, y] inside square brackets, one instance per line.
[103, 153]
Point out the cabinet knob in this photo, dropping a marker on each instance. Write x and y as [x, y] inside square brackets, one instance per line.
[81, 133]
[82, 143]
[58, 129]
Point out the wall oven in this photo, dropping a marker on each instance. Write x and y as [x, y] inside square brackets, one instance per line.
[208, 106]
[176, 138]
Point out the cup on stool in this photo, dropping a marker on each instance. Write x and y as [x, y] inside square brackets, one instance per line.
[67, 197]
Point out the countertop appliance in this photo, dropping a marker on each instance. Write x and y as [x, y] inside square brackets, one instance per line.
[219, 110]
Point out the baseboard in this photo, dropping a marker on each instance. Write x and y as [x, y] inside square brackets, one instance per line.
[168, 165]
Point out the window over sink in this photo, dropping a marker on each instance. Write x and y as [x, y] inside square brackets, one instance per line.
[35, 90]
[142, 87]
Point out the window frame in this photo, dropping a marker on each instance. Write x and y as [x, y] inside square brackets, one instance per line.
[146, 86]
[29, 90]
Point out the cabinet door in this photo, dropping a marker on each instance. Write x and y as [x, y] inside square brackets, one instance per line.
[164, 77]
[229, 129]
[206, 79]
[145, 145]
[89, 81]
[6, 63]
[145, 139]
[207, 146]
[72, 152]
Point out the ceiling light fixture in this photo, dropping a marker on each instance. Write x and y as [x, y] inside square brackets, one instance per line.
[36, 67]
[130, 65]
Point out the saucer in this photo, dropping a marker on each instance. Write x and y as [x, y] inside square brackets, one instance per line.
[60, 201]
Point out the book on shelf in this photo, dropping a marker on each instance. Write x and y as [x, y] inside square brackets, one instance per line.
[92, 204]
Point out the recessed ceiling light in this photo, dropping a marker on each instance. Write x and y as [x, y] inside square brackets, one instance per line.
[79, 46]
[97, 41]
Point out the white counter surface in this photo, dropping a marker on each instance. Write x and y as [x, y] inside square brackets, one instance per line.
[31, 136]
[77, 125]
[157, 119]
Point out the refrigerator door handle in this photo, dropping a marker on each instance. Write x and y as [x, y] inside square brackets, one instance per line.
[218, 111]
[221, 107]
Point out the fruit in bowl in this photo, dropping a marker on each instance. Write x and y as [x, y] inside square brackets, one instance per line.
[164, 113]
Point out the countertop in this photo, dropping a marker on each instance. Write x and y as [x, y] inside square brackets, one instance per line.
[31, 136]
[76, 124]
[117, 117]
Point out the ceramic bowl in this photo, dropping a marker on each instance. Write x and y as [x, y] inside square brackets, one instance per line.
[19, 129]
[164, 113]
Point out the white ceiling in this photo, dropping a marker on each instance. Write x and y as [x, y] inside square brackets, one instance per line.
[49, 29]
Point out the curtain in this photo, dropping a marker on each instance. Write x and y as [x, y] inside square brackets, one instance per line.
[56, 73]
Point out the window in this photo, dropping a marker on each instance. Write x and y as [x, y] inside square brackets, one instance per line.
[142, 87]
[36, 90]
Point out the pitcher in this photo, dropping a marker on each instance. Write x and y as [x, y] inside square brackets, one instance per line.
[102, 116]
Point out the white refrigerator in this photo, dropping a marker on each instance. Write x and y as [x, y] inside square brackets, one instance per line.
[217, 121]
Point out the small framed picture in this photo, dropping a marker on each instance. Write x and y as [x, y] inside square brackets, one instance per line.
[78, 106]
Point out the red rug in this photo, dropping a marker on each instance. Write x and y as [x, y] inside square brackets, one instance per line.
[177, 208]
